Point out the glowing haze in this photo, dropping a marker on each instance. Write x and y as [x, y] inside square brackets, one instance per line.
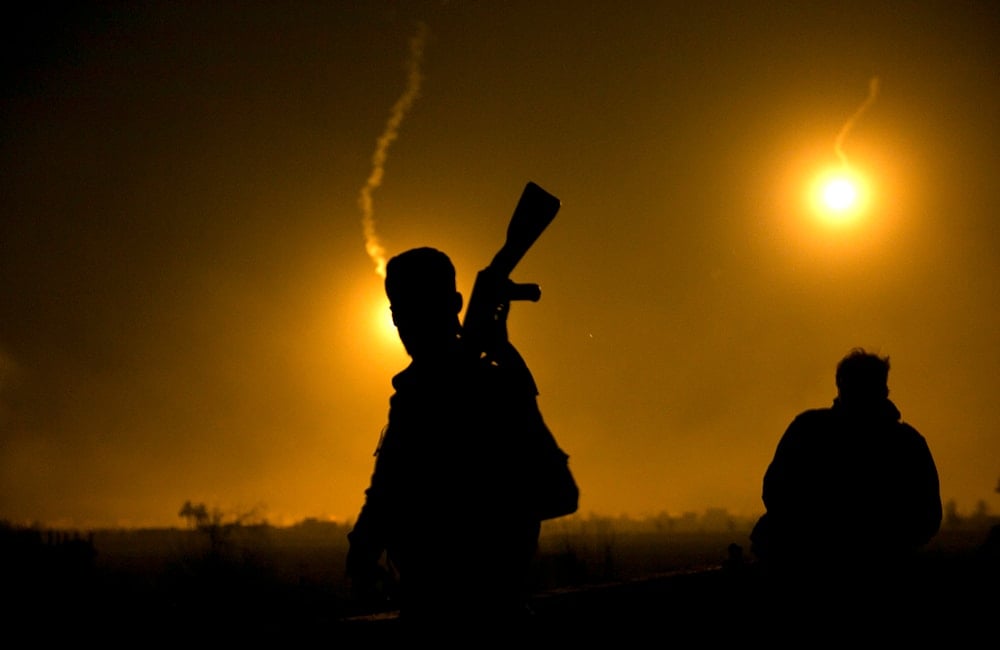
[188, 313]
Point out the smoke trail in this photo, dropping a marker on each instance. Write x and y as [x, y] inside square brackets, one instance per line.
[873, 86]
[414, 77]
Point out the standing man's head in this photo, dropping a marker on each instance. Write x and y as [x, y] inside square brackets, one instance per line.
[420, 285]
[862, 379]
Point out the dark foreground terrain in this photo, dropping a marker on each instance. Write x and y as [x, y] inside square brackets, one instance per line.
[949, 601]
[254, 585]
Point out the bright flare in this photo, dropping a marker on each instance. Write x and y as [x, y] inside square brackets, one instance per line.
[839, 195]
[382, 323]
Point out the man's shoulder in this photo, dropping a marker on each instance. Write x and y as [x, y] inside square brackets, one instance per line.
[434, 374]
[809, 423]
[909, 431]
[813, 416]
[461, 376]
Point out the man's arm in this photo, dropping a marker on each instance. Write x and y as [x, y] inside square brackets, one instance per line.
[368, 537]
[777, 481]
[926, 493]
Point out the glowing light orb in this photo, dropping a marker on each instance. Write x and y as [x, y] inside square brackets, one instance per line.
[840, 195]
[382, 323]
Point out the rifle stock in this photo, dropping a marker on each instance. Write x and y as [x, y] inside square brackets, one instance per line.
[493, 289]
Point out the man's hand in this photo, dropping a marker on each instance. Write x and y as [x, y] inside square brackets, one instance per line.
[370, 583]
[365, 590]
[485, 325]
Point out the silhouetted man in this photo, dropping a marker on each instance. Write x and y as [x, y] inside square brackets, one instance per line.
[449, 498]
[852, 491]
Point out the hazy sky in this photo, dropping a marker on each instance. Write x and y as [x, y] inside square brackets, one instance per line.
[188, 311]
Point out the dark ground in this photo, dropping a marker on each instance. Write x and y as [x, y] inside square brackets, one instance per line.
[949, 596]
[951, 602]
[257, 587]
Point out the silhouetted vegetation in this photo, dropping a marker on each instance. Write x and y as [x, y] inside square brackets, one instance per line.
[229, 579]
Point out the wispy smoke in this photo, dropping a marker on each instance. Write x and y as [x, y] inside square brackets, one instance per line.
[873, 87]
[399, 110]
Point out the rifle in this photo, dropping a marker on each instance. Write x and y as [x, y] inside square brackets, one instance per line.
[484, 328]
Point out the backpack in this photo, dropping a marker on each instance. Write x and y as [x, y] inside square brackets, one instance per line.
[556, 492]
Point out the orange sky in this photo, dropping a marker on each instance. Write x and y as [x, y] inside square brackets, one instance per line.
[188, 311]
